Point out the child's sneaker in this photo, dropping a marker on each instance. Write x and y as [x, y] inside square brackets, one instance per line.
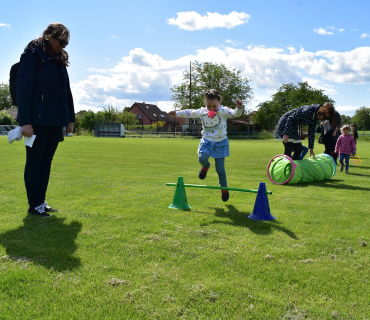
[224, 195]
[203, 173]
[341, 168]
[346, 171]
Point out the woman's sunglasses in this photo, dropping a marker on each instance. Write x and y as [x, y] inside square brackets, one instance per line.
[62, 43]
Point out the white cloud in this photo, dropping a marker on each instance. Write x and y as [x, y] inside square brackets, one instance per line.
[341, 30]
[106, 59]
[234, 43]
[143, 76]
[319, 84]
[332, 28]
[364, 35]
[5, 25]
[346, 110]
[115, 37]
[341, 67]
[322, 31]
[192, 20]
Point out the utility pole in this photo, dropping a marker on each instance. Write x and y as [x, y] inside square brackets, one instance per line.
[363, 126]
[190, 97]
[190, 88]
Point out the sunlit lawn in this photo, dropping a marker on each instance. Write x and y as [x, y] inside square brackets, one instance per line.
[115, 251]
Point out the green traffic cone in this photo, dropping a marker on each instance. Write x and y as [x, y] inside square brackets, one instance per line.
[179, 199]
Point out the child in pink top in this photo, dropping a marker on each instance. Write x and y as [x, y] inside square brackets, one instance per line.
[345, 145]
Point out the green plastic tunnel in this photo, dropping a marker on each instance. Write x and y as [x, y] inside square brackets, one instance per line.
[282, 169]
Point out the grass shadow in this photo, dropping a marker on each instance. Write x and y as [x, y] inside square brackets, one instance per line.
[47, 242]
[359, 166]
[241, 219]
[359, 174]
[330, 183]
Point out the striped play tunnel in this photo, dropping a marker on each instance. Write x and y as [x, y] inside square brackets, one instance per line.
[282, 169]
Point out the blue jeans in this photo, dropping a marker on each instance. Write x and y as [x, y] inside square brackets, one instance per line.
[220, 167]
[344, 156]
[38, 162]
[304, 152]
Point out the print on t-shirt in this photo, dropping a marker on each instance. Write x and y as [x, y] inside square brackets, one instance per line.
[210, 122]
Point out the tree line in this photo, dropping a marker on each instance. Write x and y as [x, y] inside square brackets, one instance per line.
[231, 85]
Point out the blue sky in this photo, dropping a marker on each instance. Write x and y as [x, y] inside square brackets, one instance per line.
[125, 52]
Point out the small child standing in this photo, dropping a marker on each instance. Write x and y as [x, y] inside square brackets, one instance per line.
[214, 142]
[345, 145]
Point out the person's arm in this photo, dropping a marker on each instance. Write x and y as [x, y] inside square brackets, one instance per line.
[338, 121]
[311, 135]
[353, 144]
[25, 79]
[188, 113]
[71, 110]
[233, 113]
[311, 138]
[337, 145]
[335, 131]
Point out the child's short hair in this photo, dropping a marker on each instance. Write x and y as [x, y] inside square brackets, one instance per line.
[212, 94]
[346, 127]
[353, 125]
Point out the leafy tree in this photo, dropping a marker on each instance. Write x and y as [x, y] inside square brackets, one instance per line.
[110, 114]
[5, 100]
[127, 118]
[158, 125]
[87, 120]
[345, 119]
[6, 118]
[205, 76]
[266, 116]
[288, 97]
[361, 118]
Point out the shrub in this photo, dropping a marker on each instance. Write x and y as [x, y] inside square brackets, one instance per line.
[6, 118]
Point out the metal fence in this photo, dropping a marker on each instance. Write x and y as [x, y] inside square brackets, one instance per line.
[197, 135]
[230, 135]
[4, 129]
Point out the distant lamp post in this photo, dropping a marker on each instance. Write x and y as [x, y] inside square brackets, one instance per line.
[363, 126]
[140, 117]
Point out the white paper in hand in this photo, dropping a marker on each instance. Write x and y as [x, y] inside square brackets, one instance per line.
[29, 141]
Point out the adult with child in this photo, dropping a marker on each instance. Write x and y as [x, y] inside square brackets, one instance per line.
[345, 146]
[214, 142]
[354, 132]
[308, 115]
[331, 134]
[45, 106]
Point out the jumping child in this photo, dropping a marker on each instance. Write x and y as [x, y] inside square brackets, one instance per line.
[354, 135]
[344, 146]
[214, 142]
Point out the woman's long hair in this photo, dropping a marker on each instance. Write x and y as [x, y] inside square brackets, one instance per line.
[328, 107]
[55, 30]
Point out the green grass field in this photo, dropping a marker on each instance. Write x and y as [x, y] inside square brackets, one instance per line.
[115, 251]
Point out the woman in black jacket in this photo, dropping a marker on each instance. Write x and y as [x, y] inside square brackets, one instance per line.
[45, 106]
[287, 127]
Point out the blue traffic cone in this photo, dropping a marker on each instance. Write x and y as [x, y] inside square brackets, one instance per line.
[261, 209]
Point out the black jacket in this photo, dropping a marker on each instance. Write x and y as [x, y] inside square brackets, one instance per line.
[43, 90]
[289, 122]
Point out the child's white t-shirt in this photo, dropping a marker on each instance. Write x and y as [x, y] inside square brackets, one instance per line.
[214, 128]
